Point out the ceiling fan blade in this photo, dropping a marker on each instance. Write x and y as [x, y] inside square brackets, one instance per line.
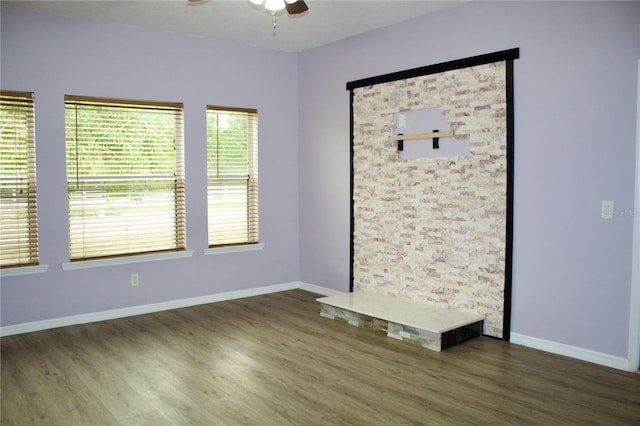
[297, 8]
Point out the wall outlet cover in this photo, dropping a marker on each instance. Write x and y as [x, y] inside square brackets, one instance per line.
[606, 210]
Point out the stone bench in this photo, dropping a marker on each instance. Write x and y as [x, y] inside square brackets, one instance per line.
[419, 323]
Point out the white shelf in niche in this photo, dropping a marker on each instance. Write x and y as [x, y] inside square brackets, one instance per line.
[427, 120]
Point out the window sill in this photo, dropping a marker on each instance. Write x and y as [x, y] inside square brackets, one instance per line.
[98, 263]
[23, 270]
[233, 249]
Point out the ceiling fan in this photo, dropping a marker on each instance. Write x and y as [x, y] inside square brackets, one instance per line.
[273, 7]
[293, 7]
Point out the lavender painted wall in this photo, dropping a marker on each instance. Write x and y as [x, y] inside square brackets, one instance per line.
[575, 121]
[575, 140]
[53, 56]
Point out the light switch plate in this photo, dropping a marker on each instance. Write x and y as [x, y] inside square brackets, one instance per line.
[606, 210]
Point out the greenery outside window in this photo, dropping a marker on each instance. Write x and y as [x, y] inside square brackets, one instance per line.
[232, 172]
[18, 210]
[125, 177]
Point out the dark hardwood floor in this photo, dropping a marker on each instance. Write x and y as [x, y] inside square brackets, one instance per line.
[272, 360]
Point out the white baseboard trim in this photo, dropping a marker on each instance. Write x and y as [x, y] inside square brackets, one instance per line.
[570, 351]
[29, 327]
[515, 338]
[319, 290]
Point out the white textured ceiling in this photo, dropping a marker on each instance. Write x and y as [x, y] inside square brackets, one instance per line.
[242, 22]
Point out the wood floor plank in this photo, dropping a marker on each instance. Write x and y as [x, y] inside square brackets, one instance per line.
[53, 393]
[95, 369]
[272, 360]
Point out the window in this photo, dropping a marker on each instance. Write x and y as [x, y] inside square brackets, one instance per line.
[125, 177]
[18, 213]
[232, 171]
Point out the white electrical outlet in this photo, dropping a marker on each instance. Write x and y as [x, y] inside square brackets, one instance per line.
[606, 210]
[135, 280]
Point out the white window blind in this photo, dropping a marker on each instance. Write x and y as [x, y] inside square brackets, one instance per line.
[18, 213]
[232, 170]
[125, 177]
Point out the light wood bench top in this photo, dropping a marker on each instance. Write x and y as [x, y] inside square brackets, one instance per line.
[406, 312]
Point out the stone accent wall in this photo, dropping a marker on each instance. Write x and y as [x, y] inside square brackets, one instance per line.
[433, 229]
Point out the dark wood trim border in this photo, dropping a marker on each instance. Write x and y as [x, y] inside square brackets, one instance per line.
[508, 268]
[504, 55]
[488, 58]
[351, 175]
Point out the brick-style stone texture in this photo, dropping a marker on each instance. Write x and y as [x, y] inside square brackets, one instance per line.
[424, 338]
[433, 229]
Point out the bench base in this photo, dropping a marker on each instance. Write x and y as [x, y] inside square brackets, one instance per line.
[428, 326]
